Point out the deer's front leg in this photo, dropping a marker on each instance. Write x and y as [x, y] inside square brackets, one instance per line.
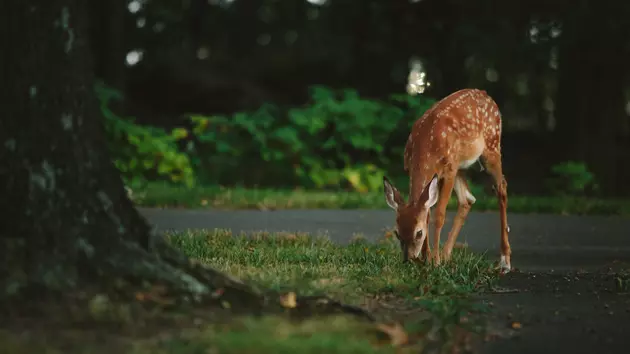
[440, 214]
[426, 251]
[465, 200]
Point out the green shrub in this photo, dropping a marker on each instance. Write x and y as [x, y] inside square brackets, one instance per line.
[338, 140]
[571, 178]
[142, 153]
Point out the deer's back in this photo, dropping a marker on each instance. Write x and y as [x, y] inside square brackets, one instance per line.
[455, 129]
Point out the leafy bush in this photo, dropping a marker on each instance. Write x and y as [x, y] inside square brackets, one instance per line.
[338, 140]
[571, 178]
[142, 153]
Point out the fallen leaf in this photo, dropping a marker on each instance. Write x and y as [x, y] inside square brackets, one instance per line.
[396, 333]
[517, 325]
[288, 300]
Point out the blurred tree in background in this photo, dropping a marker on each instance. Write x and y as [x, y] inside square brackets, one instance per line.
[557, 69]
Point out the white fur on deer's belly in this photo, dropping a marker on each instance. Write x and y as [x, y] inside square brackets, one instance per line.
[471, 153]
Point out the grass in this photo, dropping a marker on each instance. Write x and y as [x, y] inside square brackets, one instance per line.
[165, 195]
[287, 261]
[371, 275]
[418, 307]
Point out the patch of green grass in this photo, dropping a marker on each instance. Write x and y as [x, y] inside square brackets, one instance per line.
[166, 195]
[270, 334]
[424, 298]
[418, 307]
[275, 335]
[287, 262]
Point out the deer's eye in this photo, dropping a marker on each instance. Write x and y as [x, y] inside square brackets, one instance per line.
[419, 234]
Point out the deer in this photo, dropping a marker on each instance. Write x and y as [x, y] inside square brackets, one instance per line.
[456, 132]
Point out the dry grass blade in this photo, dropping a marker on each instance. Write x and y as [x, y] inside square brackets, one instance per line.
[288, 300]
[396, 333]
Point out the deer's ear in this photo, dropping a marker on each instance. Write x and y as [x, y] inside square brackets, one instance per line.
[392, 195]
[431, 191]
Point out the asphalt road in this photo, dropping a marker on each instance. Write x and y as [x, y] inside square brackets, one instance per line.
[562, 294]
[539, 242]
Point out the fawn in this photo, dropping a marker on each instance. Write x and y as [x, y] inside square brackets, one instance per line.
[449, 137]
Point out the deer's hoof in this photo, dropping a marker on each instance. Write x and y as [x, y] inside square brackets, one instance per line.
[504, 265]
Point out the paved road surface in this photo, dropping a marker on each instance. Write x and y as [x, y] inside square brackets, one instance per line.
[561, 311]
[538, 241]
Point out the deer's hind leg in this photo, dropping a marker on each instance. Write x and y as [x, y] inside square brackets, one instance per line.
[492, 160]
[465, 200]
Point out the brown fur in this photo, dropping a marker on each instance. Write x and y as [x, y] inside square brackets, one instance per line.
[448, 138]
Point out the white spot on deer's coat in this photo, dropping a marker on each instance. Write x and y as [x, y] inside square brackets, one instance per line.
[32, 91]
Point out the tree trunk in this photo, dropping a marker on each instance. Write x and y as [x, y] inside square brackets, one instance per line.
[64, 197]
[71, 223]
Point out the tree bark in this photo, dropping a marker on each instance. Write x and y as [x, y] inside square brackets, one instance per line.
[64, 197]
[71, 223]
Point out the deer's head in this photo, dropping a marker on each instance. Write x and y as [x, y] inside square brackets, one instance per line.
[411, 218]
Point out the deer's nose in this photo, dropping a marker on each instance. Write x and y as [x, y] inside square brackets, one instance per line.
[405, 253]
